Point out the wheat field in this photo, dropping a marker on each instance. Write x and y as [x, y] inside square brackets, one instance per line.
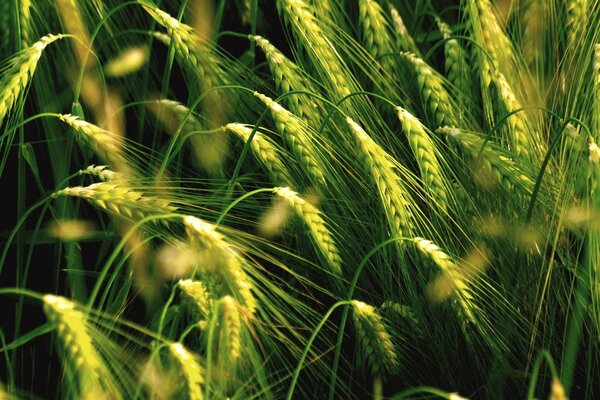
[289, 199]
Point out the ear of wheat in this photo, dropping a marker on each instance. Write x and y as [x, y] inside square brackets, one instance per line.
[288, 77]
[107, 145]
[456, 61]
[316, 224]
[119, 199]
[376, 33]
[229, 265]
[378, 165]
[436, 99]
[374, 341]
[199, 296]
[321, 49]
[426, 154]
[300, 138]
[404, 39]
[17, 77]
[265, 151]
[191, 370]
[71, 326]
[503, 169]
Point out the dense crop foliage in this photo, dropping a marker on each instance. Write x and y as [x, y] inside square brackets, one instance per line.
[300, 199]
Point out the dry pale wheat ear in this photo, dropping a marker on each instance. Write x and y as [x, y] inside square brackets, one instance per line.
[299, 199]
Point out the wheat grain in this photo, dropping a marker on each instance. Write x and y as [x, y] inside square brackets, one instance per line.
[375, 343]
[380, 168]
[299, 137]
[426, 153]
[316, 224]
[226, 261]
[119, 199]
[434, 95]
[191, 369]
[17, 77]
[265, 152]
[492, 159]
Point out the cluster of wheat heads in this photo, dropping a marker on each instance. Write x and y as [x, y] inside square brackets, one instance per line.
[300, 198]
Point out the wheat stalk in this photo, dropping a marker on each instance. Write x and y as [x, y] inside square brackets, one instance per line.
[265, 152]
[71, 326]
[229, 264]
[502, 168]
[426, 153]
[375, 343]
[22, 67]
[379, 166]
[119, 199]
[319, 231]
[299, 137]
[434, 95]
[191, 369]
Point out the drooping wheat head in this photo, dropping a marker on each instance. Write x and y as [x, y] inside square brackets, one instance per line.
[456, 61]
[265, 152]
[318, 229]
[378, 164]
[16, 77]
[222, 258]
[71, 326]
[191, 370]
[436, 99]
[403, 37]
[376, 33]
[299, 137]
[108, 145]
[375, 343]
[120, 200]
[426, 153]
[288, 77]
[299, 15]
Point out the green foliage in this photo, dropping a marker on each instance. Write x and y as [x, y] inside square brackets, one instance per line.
[202, 195]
